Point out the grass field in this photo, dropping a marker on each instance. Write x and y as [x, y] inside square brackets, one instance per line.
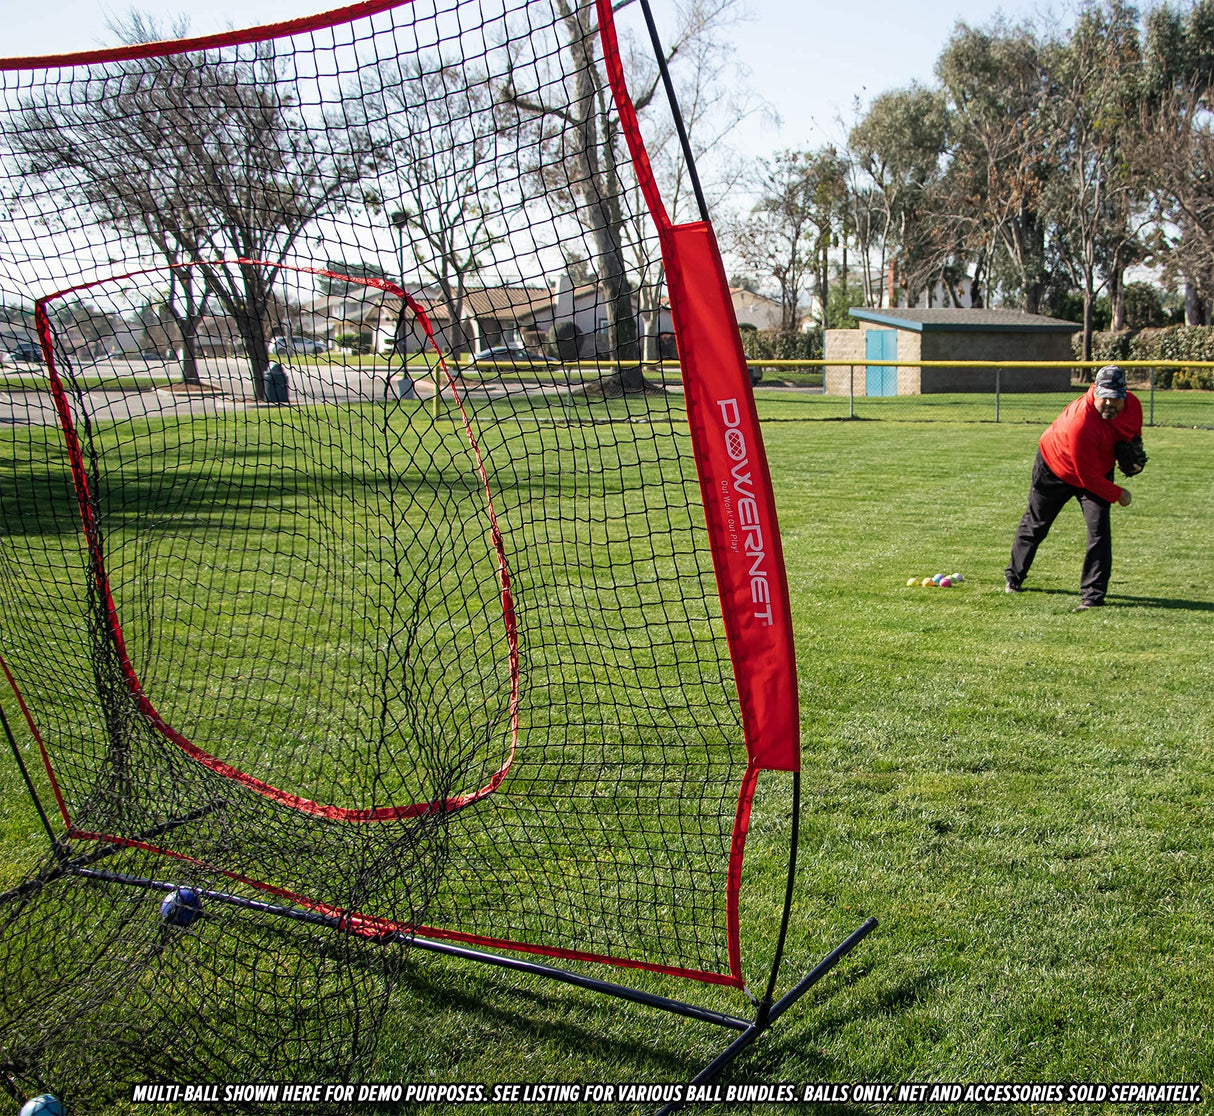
[1020, 794]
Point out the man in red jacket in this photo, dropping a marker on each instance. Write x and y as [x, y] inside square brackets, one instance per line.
[1075, 457]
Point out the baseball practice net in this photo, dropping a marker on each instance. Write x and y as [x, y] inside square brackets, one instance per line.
[364, 569]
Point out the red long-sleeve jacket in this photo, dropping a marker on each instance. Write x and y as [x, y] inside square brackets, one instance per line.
[1078, 446]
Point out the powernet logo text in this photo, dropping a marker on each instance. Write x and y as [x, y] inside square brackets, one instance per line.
[742, 518]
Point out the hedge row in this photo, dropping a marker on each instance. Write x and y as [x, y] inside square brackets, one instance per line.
[1178, 343]
[775, 344]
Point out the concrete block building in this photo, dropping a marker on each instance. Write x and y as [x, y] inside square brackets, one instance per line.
[919, 333]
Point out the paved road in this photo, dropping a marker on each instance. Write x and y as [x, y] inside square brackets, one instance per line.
[227, 385]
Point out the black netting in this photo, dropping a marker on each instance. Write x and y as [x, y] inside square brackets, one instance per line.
[353, 552]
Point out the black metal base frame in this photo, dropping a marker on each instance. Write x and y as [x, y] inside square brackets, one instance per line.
[749, 1030]
[767, 1011]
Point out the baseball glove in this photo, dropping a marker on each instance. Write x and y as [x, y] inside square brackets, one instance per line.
[1131, 457]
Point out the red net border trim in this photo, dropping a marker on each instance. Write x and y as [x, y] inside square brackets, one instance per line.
[97, 562]
[281, 30]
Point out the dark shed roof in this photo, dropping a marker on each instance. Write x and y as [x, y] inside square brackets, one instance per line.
[923, 320]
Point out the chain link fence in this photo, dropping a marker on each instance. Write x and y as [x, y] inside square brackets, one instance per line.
[792, 390]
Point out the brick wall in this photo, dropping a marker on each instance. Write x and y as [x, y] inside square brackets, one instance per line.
[842, 345]
[955, 345]
[851, 344]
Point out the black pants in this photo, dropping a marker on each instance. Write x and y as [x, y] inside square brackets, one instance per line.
[1047, 496]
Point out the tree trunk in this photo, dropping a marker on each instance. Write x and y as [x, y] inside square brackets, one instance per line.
[189, 355]
[976, 300]
[1117, 296]
[1192, 305]
[1086, 351]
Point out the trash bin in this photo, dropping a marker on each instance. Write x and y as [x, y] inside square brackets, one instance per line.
[401, 386]
[276, 384]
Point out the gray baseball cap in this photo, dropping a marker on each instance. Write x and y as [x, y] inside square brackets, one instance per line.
[1110, 382]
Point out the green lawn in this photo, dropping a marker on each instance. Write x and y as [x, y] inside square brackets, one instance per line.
[1020, 794]
[1163, 408]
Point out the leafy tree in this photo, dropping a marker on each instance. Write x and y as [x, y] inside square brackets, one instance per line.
[999, 156]
[1144, 307]
[842, 299]
[899, 144]
[1093, 112]
[1177, 147]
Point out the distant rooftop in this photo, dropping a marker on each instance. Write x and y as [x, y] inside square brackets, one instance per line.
[922, 319]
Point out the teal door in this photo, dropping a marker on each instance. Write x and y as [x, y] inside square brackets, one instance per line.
[881, 344]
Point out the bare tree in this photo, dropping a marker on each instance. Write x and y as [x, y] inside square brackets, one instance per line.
[435, 136]
[209, 162]
[714, 99]
[775, 240]
[797, 217]
[580, 148]
[567, 115]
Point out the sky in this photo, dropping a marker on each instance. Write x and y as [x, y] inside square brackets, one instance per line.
[808, 59]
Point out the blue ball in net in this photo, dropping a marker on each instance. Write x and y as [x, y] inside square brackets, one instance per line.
[181, 907]
[44, 1105]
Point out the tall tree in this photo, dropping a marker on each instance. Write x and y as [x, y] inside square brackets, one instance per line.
[557, 96]
[900, 144]
[999, 159]
[1093, 112]
[778, 238]
[434, 132]
[581, 158]
[1177, 147]
[714, 99]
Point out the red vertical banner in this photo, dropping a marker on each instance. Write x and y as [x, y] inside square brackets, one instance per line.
[738, 502]
[732, 467]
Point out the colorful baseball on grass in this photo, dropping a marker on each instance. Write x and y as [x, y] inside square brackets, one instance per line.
[937, 581]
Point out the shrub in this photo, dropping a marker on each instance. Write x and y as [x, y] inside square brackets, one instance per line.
[1108, 346]
[1179, 343]
[775, 344]
[564, 341]
[359, 343]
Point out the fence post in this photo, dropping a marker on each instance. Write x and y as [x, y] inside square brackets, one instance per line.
[997, 371]
[1151, 420]
[851, 391]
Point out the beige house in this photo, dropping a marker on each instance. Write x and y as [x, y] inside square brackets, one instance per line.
[753, 309]
[583, 305]
[489, 316]
[918, 333]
